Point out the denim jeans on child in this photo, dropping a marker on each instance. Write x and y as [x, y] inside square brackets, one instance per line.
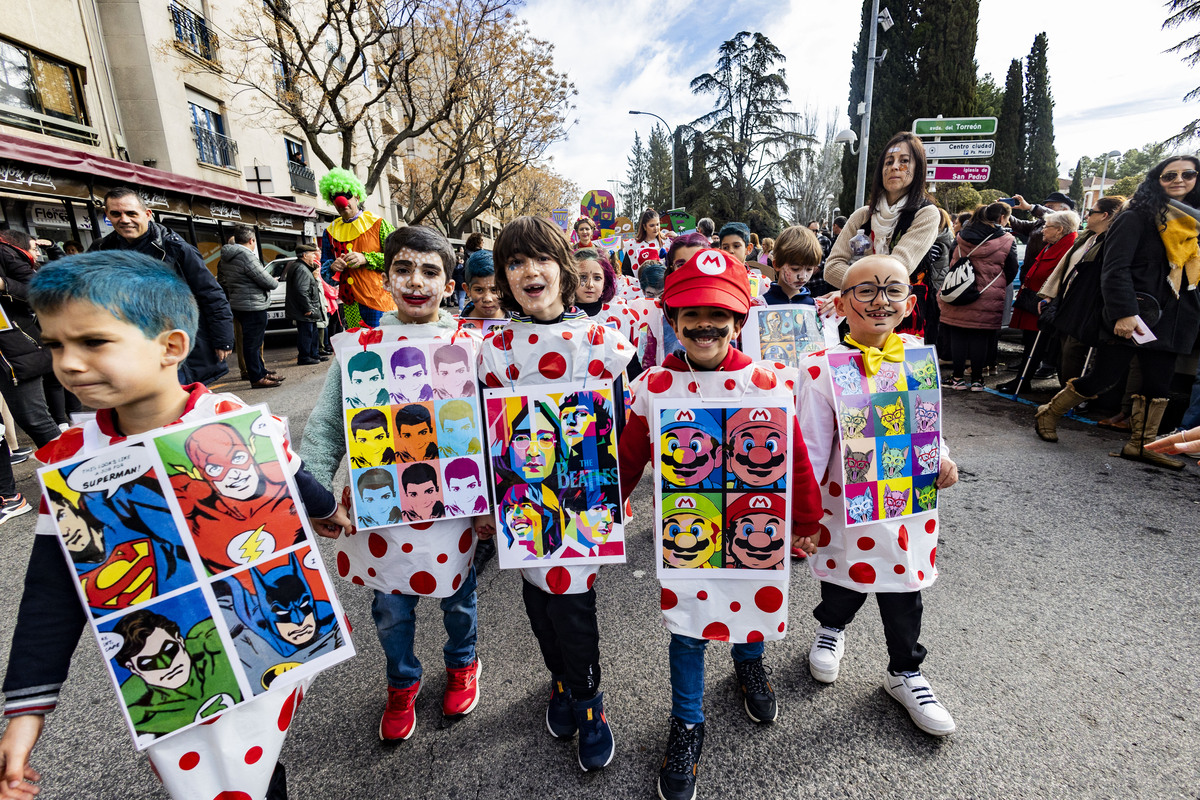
[687, 674]
[396, 622]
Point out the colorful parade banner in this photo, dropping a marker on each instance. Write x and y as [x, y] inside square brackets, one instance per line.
[891, 434]
[722, 508]
[197, 569]
[554, 465]
[600, 207]
[785, 333]
[678, 220]
[413, 432]
[562, 218]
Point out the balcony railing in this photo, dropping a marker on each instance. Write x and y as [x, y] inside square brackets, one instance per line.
[214, 148]
[303, 178]
[193, 34]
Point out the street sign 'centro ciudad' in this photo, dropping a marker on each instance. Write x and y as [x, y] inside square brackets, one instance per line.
[958, 173]
[979, 148]
[955, 126]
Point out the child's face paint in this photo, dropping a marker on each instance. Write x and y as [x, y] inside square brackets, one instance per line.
[705, 333]
[591, 282]
[536, 285]
[418, 283]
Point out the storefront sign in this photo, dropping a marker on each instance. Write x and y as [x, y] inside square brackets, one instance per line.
[49, 215]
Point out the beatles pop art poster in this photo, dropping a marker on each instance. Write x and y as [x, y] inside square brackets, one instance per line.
[412, 432]
[197, 569]
[555, 485]
[890, 427]
[785, 333]
[722, 508]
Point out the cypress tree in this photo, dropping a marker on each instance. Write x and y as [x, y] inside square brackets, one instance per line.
[634, 193]
[1041, 163]
[946, 39]
[1008, 163]
[1076, 190]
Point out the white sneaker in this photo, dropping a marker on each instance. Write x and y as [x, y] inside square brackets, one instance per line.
[914, 693]
[825, 657]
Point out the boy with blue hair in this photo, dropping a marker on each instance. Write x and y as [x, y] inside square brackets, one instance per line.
[119, 326]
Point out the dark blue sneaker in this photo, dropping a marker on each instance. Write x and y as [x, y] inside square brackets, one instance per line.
[759, 697]
[677, 775]
[13, 506]
[596, 745]
[560, 719]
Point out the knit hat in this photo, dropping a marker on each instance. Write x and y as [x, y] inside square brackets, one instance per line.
[709, 278]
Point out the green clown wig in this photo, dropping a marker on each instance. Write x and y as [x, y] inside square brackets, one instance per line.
[341, 181]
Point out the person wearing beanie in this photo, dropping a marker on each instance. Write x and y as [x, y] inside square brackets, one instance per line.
[352, 251]
[706, 301]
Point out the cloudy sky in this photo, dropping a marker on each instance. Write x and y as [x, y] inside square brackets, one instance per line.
[1113, 86]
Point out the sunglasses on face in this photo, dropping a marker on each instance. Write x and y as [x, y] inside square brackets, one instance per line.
[1092, 211]
[1187, 175]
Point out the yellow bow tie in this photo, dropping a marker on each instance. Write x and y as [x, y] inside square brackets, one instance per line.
[873, 357]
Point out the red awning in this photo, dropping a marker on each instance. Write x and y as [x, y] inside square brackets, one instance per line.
[49, 155]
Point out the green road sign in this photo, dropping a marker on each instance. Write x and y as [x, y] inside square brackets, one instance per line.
[955, 126]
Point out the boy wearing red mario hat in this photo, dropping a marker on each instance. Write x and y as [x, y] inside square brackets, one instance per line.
[706, 302]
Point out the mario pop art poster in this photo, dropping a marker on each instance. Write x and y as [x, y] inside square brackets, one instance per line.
[196, 568]
[554, 466]
[721, 502]
[413, 433]
[786, 333]
[890, 426]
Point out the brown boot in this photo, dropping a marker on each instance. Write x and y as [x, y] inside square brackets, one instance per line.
[1144, 422]
[1045, 421]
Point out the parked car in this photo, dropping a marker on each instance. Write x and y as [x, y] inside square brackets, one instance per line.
[276, 321]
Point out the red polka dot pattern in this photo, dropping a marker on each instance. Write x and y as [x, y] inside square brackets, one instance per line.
[343, 564]
[782, 625]
[701, 595]
[533, 337]
[660, 381]
[233, 796]
[769, 599]
[454, 584]
[932, 556]
[898, 569]
[189, 760]
[667, 599]
[357, 581]
[693, 388]
[422, 583]
[815, 372]
[464, 541]
[930, 525]
[730, 383]
[830, 564]
[902, 538]
[717, 631]
[371, 571]
[920, 575]
[285, 713]
[596, 368]
[865, 543]
[591, 580]
[559, 580]
[406, 547]
[377, 545]
[862, 573]
[552, 366]
[735, 606]
[835, 490]
[754, 636]
[763, 379]
[442, 558]
[253, 754]
[512, 372]
[824, 538]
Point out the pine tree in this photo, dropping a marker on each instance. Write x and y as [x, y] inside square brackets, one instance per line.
[658, 170]
[1008, 165]
[697, 198]
[1185, 13]
[683, 178]
[1041, 163]
[945, 40]
[1076, 190]
[633, 190]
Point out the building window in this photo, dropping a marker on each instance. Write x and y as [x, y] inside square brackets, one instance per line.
[192, 34]
[302, 177]
[41, 93]
[212, 145]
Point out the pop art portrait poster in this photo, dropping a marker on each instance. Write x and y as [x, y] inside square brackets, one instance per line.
[484, 325]
[157, 531]
[413, 432]
[722, 508]
[890, 426]
[554, 467]
[785, 333]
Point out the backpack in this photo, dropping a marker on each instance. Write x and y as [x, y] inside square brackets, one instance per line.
[958, 289]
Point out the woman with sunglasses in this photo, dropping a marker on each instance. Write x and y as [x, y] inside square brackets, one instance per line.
[970, 328]
[1151, 269]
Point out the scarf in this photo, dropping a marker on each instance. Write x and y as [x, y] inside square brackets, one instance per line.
[873, 357]
[1183, 255]
[883, 222]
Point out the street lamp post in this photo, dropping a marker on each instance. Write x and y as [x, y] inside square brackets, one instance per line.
[671, 131]
[886, 22]
[1104, 175]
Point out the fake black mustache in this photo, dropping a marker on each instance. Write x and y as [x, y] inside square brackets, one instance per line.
[705, 333]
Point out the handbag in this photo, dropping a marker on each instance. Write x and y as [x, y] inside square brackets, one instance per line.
[958, 289]
[1027, 301]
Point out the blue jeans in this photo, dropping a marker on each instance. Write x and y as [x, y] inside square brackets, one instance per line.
[1191, 417]
[687, 674]
[307, 341]
[254, 329]
[396, 623]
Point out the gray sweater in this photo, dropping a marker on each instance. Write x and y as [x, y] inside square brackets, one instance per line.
[246, 283]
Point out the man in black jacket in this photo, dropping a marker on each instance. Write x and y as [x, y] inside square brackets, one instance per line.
[133, 229]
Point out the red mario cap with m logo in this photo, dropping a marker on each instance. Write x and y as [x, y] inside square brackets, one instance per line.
[709, 278]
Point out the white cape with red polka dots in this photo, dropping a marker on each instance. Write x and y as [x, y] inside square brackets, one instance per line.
[576, 349]
[232, 757]
[729, 610]
[896, 555]
[430, 559]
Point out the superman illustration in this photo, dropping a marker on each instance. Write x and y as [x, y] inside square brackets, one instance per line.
[125, 548]
[238, 509]
[279, 625]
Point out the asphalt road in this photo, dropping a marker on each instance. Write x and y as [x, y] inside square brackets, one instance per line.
[1062, 636]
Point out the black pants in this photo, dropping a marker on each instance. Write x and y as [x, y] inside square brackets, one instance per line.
[60, 402]
[333, 328]
[969, 343]
[8, 486]
[901, 614]
[568, 636]
[1111, 363]
[307, 341]
[27, 402]
[254, 330]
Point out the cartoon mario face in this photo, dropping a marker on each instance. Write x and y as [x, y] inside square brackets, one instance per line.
[690, 447]
[758, 443]
[225, 461]
[162, 661]
[691, 531]
[534, 445]
[755, 536]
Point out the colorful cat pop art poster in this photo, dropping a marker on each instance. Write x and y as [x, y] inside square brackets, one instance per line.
[555, 480]
[157, 530]
[890, 427]
[785, 333]
[413, 432]
[722, 508]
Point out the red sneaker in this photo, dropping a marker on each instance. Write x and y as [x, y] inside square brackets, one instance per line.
[399, 718]
[462, 689]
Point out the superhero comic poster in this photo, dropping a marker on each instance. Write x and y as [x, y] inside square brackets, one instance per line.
[412, 432]
[890, 426]
[722, 508]
[785, 333]
[555, 485]
[196, 568]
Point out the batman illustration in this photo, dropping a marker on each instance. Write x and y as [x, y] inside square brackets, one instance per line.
[278, 626]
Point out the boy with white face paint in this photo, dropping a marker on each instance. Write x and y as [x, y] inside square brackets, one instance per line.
[420, 265]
